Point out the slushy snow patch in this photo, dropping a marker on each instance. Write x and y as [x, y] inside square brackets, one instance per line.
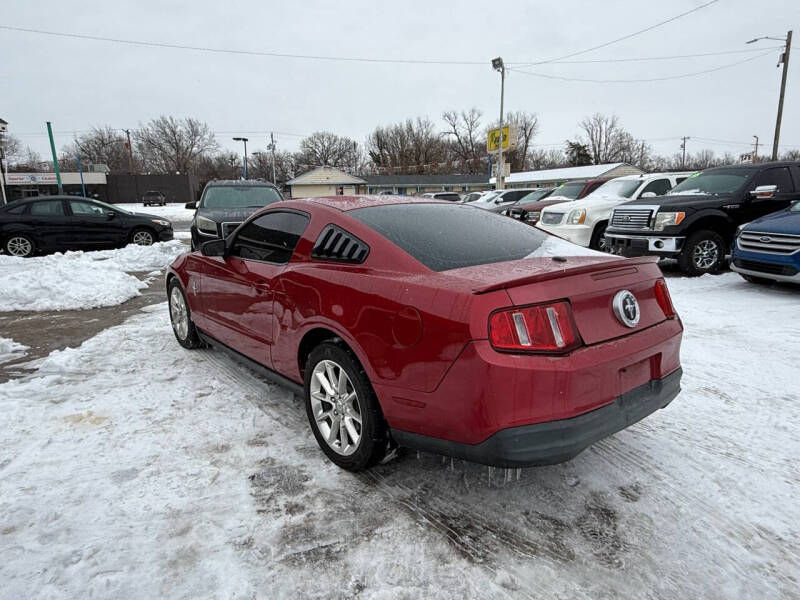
[77, 280]
[173, 212]
[11, 350]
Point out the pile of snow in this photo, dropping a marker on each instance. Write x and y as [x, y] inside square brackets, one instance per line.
[11, 350]
[77, 280]
[173, 212]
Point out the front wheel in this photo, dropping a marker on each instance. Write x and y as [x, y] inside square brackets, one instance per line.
[181, 318]
[342, 408]
[19, 245]
[599, 241]
[143, 237]
[704, 252]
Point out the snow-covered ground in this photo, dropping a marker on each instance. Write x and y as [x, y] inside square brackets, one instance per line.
[152, 471]
[173, 212]
[11, 350]
[77, 280]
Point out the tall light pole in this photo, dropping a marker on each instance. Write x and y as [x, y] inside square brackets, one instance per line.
[784, 58]
[498, 65]
[755, 150]
[244, 168]
[272, 148]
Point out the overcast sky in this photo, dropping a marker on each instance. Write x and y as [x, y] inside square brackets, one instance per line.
[80, 83]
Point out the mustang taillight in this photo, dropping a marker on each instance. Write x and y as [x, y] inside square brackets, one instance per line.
[546, 328]
[664, 300]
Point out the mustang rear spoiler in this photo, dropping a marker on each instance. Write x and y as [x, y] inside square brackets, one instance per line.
[604, 270]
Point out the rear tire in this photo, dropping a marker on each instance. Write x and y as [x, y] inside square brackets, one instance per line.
[342, 408]
[18, 244]
[704, 252]
[181, 317]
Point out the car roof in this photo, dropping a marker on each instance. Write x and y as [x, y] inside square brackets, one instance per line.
[235, 182]
[778, 163]
[346, 203]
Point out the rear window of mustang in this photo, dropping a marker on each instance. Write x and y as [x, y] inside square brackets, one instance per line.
[446, 236]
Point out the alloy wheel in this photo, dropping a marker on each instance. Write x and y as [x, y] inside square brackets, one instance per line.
[336, 409]
[705, 254]
[179, 313]
[143, 238]
[19, 246]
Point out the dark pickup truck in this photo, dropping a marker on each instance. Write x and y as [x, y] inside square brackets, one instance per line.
[697, 220]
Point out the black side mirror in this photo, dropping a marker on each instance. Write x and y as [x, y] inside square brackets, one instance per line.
[213, 248]
[190, 205]
[111, 214]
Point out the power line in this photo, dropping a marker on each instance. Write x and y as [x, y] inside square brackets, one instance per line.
[646, 80]
[650, 58]
[129, 42]
[630, 35]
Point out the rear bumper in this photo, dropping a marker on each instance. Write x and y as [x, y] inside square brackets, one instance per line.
[555, 441]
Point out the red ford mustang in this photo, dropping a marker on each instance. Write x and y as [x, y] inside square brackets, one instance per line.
[435, 326]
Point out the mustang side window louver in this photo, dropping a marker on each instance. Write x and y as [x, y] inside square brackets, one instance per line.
[336, 244]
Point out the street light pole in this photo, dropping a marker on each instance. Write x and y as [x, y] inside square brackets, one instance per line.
[498, 65]
[244, 167]
[272, 147]
[755, 150]
[785, 60]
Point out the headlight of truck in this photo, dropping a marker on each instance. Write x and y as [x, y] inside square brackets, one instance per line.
[161, 222]
[667, 219]
[206, 225]
[533, 216]
[576, 217]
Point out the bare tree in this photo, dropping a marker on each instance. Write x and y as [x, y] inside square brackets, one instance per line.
[326, 148]
[468, 143]
[260, 166]
[172, 145]
[12, 147]
[551, 158]
[103, 145]
[412, 146]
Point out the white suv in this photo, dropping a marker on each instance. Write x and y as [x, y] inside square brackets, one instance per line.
[584, 221]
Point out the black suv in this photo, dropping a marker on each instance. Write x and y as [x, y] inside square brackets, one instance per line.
[225, 204]
[696, 221]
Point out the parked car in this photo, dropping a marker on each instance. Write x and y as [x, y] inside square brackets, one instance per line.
[696, 222]
[473, 196]
[394, 331]
[449, 196]
[530, 198]
[59, 223]
[502, 198]
[584, 221]
[154, 197]
[768, 249]
[575, 190]
[224, 204]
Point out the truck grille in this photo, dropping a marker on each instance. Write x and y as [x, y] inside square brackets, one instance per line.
[227, 228]
[552, 218]
[631, 218]
[772, 243]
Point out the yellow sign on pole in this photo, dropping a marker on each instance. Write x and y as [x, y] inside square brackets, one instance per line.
[509, 139]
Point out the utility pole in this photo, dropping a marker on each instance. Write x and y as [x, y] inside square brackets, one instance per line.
[755, 150]
[55, 158]
[131, 164]
[683, 148]
[498, 65]
[784, 58]
[272, 147]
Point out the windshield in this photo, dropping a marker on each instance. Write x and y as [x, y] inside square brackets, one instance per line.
[535, 196]
[105, 205]
[490, 196]
[795, 207]
[570, 190]
[718, 181]
[451, 236]
[239, 196]
[622, 188]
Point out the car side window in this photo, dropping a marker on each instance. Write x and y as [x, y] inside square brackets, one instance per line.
[50, 208]
[86, 209]
[17, 210]
[659, 187]
[779, 176]
[271, 237]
